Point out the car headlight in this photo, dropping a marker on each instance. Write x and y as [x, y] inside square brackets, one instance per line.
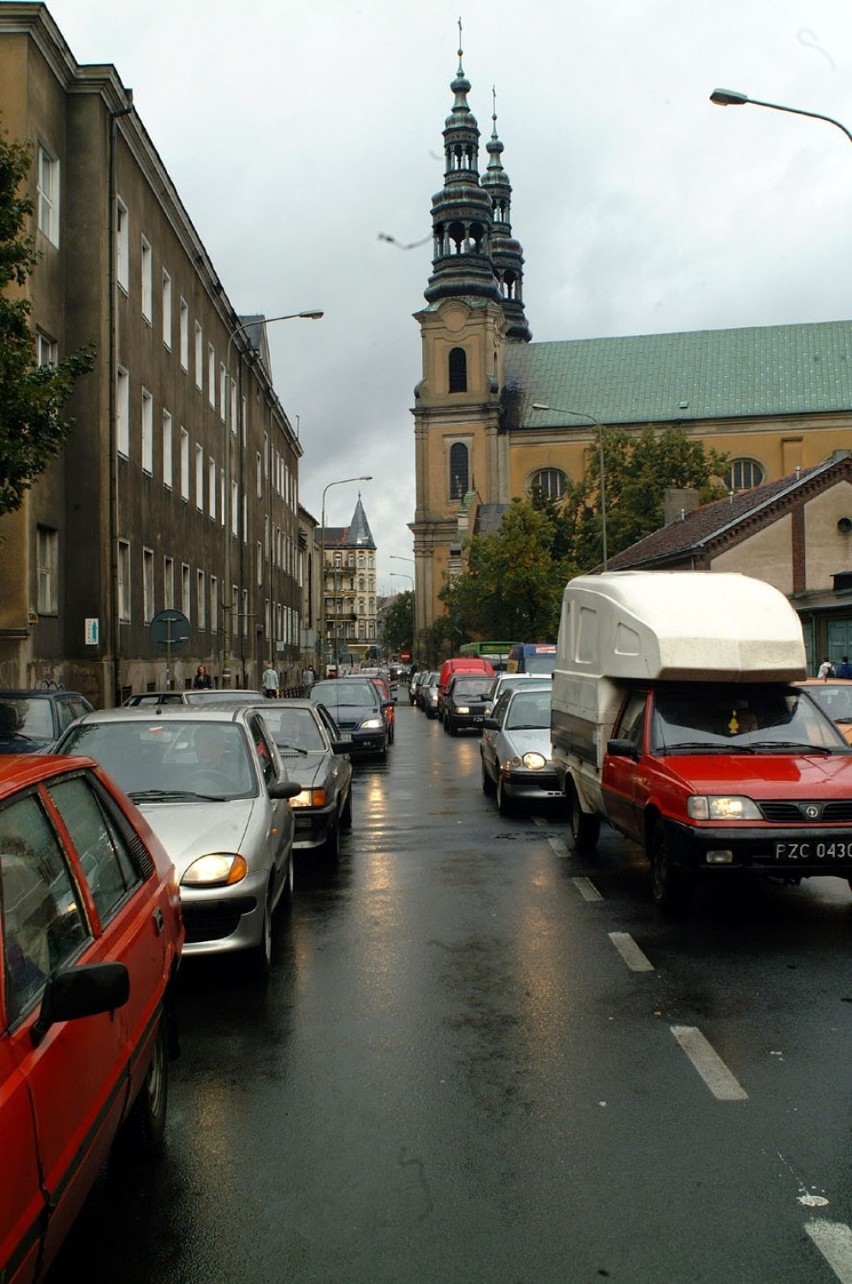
[462, 708]
[217, 869]
[722, 807]
[535, 761]
[310, 798]
[373, 724]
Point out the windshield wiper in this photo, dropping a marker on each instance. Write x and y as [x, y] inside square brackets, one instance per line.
[282, 744]
[700, 746]
[790, 746]
[164, 795]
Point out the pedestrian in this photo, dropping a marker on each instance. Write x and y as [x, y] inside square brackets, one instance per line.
[201, 681]
[826, 670]
[270, 682]
[844, 668]
[308, 677]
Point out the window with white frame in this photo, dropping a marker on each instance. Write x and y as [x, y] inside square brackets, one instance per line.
[147, 271]
[223, 393]
[168, 583]
[199, 356]
[211, 375]
[199, 478]
[259, 564]
[183, 322]
[184, 464]
[743, 474]
[48, 195]
[243, 412]
[235, 508]
[47, 562]
[122, 245]
[259, 476]
[122, 412]
[124, 580]
[267, 618]
[47, 350]
[214, 604]
[185, 591]
[549, 483]
[244, 612]
[147, 431]
[211, 489]
[245, 518]
[148, 584]
[222, 506]
[200, 601]
[235, 610]
[167, 450]
[167, 309]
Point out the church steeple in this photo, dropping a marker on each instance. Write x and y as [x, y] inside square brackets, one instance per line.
[461, 211]
[507, 254]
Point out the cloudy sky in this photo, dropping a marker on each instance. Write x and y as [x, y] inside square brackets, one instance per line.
[297, 133]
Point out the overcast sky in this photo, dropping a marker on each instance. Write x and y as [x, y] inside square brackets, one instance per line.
[297, 132]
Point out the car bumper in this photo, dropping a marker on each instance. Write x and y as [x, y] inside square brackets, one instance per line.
[769, 849]
[368, 741]
[532, 786]
[222, 920]
[313, 826]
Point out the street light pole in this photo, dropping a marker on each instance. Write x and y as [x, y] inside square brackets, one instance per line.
[403, 575]
[344, 481]
[732, 98]
[228, 605]
[584, 414]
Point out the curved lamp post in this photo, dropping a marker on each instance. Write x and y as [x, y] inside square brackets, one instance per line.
[403, 575]
[228, 605]
[344, 481]
[584, 414]
[732, 98]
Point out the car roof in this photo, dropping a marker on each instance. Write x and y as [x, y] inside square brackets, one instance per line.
[165, 713]
[19, 771]
[38, 693]
[814, 682]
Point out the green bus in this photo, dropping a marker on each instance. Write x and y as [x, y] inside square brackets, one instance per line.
[496, 653]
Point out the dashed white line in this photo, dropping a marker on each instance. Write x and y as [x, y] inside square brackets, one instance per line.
[709, 1064]
[635, 959]
[834, 1241]
[587, 889]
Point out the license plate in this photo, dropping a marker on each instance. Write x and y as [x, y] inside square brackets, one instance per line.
[815, 849]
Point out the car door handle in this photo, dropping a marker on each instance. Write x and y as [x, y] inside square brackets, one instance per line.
[158, 920]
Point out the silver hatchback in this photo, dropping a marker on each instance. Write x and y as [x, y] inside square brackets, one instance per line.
[212, 786]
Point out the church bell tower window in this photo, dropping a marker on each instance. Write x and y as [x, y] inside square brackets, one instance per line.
[459, 471]
[458, 370]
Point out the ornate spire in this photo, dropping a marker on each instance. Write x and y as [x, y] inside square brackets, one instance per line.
[461, 211]
[507, 254]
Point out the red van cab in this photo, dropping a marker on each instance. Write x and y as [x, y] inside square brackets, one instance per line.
[90, 937]
[459, 664]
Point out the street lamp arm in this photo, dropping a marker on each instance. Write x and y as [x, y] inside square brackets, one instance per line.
[584, 414]
[732, 98]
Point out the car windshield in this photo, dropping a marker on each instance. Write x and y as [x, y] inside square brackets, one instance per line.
[169, 758]
[540, 663]
[739, 717]
[528, 709]
[292, 728]
[471, 689]
[351, 693]
[836, 701]
[23, 716]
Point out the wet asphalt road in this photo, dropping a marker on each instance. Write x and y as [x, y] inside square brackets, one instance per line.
[469, 1065]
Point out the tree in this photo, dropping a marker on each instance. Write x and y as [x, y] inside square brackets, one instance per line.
[32, 428]
[398, 627]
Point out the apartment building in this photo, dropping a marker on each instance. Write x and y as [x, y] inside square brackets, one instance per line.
[179, 489]
[348, 560]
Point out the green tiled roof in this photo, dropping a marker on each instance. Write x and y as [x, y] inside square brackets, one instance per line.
[702, 374]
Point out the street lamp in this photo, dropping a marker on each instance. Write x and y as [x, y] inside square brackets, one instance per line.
[228, 604]
[584, 414]
[403, 575]
[344, 481]
[732, 98]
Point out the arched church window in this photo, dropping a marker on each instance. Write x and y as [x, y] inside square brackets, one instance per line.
[459, 470]
[743, 474]
[549, 483]
[458, 370]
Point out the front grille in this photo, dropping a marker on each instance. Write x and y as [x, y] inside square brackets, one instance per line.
[838, 812]
[215, 921]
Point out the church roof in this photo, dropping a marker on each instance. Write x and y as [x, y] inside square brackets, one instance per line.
[692, 375]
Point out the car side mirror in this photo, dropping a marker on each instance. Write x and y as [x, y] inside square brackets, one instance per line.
[341, 746]
[621, 749]
[489, 724]
[82, 991]
[284, 788]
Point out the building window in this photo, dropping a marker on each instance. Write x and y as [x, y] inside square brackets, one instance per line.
[185, 591]
[47, 351]
[200, 601]
[259, 476]
[147, 432]
[168, 583]
[124, 580]
[147, 585]
[211, 489]
[235, 508]
[245, 613]
[48, 195]
[199, 357]
[743, 474]
[184, 334]
[458, 470]
[223, 394]
[167, 449]
[222, 508]
[458, 370]
[199, 478]
[211, 375]
[235, 610]
[549, 483]
[214, 604]
[122, 412]
[47, 555]
[122, 245]
[167, 309]
[259, 564]
[184, 464]
[147, 268]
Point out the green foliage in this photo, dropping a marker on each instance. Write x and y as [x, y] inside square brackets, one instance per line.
[32, 428]
[398, 624]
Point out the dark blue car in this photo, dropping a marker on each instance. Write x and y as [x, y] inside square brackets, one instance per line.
[30, 721]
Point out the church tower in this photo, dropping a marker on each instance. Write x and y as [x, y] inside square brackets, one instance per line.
[474, 307]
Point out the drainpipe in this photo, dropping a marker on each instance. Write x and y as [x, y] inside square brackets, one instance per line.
[114, 640]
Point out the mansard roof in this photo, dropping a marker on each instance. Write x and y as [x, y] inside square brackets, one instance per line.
[686, 376]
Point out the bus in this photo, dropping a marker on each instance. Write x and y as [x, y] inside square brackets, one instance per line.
[497, 653]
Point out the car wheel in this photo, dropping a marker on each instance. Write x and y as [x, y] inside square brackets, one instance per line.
[670, 887]
[585, 827]
[487, 782]
[391, 735]
[145, 1125]
[331, 847]
[259, 957]
[505, 806]
[346, 814]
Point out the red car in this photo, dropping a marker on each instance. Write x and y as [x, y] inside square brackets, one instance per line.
[90, 938]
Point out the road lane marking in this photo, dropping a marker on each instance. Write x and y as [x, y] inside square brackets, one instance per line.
[709, 1064]
[834, 1241]
[630, 952]
[587, 889]
[557, 846]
